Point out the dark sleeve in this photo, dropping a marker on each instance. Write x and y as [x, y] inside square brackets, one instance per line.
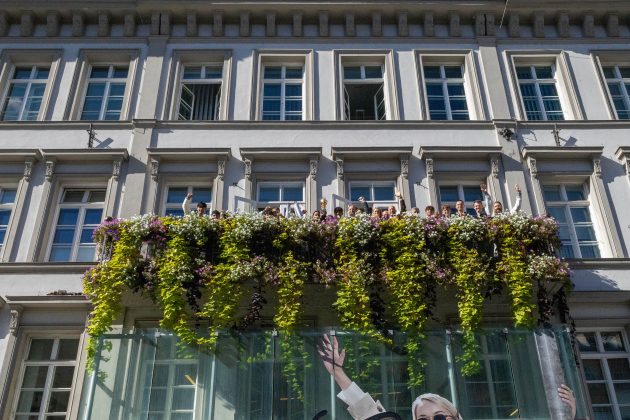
[403, 206]
[364, 207]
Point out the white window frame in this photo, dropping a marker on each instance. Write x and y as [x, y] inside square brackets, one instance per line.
[109, 80]
[444, 82]
[566, 205]
[562, 78]
[29, 84]
[600, 355]
[11, 208]
[536, 82]
[282, 81]
[284, 205]
[11, 59]
[468, 205]
[83, 206]
[23, 363]
[189, 188]
[625, 93]
[365, 80]
[382, 204]
[383, 59]
[202, 81]
[287, 58]
[97, 58]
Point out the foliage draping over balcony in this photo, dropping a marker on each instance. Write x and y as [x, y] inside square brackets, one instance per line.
[386, 273]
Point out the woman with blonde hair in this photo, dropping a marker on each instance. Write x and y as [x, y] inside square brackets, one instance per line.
[362, 406]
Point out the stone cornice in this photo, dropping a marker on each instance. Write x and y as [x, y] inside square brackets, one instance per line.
[44, 268]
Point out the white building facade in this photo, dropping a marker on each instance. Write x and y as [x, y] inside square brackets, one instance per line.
[125, 107]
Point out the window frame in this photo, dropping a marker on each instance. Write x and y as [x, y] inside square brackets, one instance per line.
[536, 82]
[19, 367]
[282, 81]
[566, 205]
[83, 207]
[11, 59]
[190, 186]
[11, 207]
[600, 355]
[383, 58]
[616, 59]
[382, 204]
[284, 205]
[95, 58]
[109, 81]
[183, 58]
[460, 185]
[472, 87]
[563, 79]
[267, 58]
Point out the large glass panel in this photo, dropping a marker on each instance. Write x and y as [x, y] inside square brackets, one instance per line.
[384, 193]
[176, 195]
[357, 191]
[269, 193]
[612, 341]
[41, 349]
[448, 194]
[293, 193]
[586, 341]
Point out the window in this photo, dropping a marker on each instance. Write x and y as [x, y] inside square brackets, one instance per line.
[606, 360]
[200, 95]
[364, 92]
[105, 92]
[280, 194]
[171, 383]
[539, 92]
[47, 378]
[376, 194]
[569, 205]
[27, 87]
[618, 82]
[7, 200]
[80, 212]
[282, 92]
[490, 393]
[175, 197]
[446, 96]
[450, 194]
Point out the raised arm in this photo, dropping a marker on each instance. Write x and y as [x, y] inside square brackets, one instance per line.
[402, 207]
[487, 200]
[186, 204]
[333, 360]
[517, 204]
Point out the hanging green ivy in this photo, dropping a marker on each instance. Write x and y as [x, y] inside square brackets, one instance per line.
[199, 271]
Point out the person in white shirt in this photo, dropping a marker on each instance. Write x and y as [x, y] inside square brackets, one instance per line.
[199, 211]
[497, 206]
[362, 406]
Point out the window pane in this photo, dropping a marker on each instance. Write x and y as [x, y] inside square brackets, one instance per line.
[22, 73]
[523, 72]
[58, 401]
[60, 253]
[73, 196]
[192, 72]
[580, 215]
[294, 72]
[448, 194]
[453, 72]
[623, 393]
[41, 349]
[593, 369]
[63, 236]
[68, 348]
[432, 72]
[586, 341]
[435, 89]
[86, 236]
[384, 193]
[96, 90]
[93, 216]
[202, 194]
[176, 212]
[552, 193]
[86, 253]
[30, 401]
[63, 377]
[566, 251]
[357, 191]
[97, 196]
[271, 105]
[272, 89]
[121, 72]
[609, 72]
[619, 369]
[373, 72]
[293, 90]
[352, 72]
[472, 193]
[625, 72]
[456, 89]
[269, 193]
[612, 341]
[176, 194]
[294, 106]
[589, 251]
[544, 72]
[99, 72]
[603, 413]
[185, 374]
[293, 193]
[599, 393]
[68, 216]
[4, 217]
[548, 89]
[214, 72]
[35, 377]
[575, 192]
[585, 233]
[183, 399]
[273, 73]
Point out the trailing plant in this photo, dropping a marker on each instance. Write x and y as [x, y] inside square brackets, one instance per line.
[385, 273]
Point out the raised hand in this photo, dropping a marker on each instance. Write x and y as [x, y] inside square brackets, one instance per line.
[567, 397]
[330, 354]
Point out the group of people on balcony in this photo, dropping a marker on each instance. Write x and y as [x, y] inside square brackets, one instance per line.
[483, 208]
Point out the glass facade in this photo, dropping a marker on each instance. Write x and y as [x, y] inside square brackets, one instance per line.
[150, 375]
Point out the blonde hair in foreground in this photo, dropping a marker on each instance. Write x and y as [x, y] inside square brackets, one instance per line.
[446, 405]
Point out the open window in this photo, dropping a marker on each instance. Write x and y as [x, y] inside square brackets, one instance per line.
[200, 94]
[378, 194]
